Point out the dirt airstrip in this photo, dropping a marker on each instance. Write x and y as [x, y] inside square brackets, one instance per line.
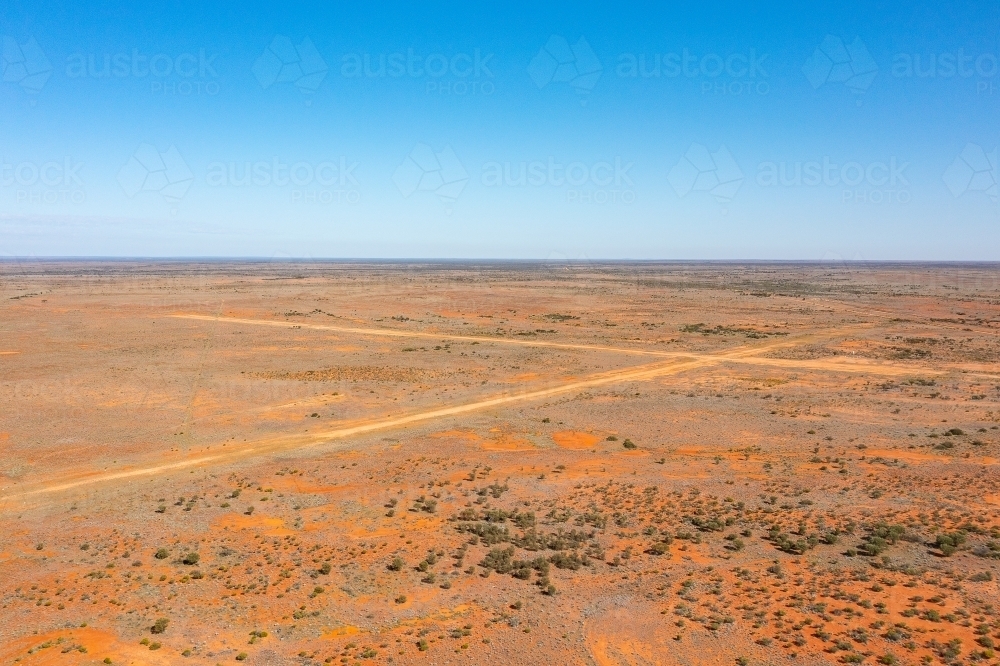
[309, 463]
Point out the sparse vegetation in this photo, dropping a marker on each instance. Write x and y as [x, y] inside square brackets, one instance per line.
[776, 501]
[949, 543]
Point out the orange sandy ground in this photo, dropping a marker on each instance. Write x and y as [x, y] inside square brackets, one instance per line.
[623, 464]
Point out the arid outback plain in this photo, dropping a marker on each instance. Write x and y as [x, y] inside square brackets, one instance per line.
[334, 463]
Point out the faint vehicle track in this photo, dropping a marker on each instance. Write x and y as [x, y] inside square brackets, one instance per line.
[363, 427]
[748, 354]
[679, 362]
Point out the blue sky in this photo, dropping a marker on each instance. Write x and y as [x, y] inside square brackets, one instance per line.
[848, 131]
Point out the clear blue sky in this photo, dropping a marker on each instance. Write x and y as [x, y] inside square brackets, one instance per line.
[717, 131]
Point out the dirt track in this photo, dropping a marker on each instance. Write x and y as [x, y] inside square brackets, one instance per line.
[640, 373]
[718, 452]
[748, 355]
[681, 362]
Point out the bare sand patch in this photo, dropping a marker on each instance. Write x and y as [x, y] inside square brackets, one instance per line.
[575, 440]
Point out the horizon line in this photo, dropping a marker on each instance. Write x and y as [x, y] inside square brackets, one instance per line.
[481, 260]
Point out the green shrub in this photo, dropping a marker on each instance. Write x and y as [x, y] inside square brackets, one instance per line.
[191, 559]
[162, 554]
[786, 544]
[948, 543]
[659, 548]
[880, 537]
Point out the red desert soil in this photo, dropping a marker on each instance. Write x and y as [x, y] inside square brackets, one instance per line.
[569, 439]
[334, 463]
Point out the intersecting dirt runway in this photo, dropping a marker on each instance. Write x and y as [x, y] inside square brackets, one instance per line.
[298, 465]
[681, 362]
